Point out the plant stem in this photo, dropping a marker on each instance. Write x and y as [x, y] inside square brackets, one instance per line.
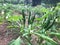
[27, 40]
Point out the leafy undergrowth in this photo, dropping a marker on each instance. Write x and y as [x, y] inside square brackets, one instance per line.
[33, 25]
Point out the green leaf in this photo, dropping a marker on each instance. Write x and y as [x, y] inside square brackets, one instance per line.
[23, 14]
[25, 34]
[29, 20]
[45, 37]
[15, 26]
[14, 18]
[48, 43]
[1, 18]
[16, 42]
[57, 34]
[11, 42]
[43, 17]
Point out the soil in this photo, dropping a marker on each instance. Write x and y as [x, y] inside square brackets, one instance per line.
[4, 37]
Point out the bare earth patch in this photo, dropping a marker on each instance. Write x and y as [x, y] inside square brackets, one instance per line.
[4, 39]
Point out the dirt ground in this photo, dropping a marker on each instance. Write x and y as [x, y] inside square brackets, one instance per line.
[4, 37]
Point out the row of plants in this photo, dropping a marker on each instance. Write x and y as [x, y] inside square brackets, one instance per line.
[37, 24]
[12, 1]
